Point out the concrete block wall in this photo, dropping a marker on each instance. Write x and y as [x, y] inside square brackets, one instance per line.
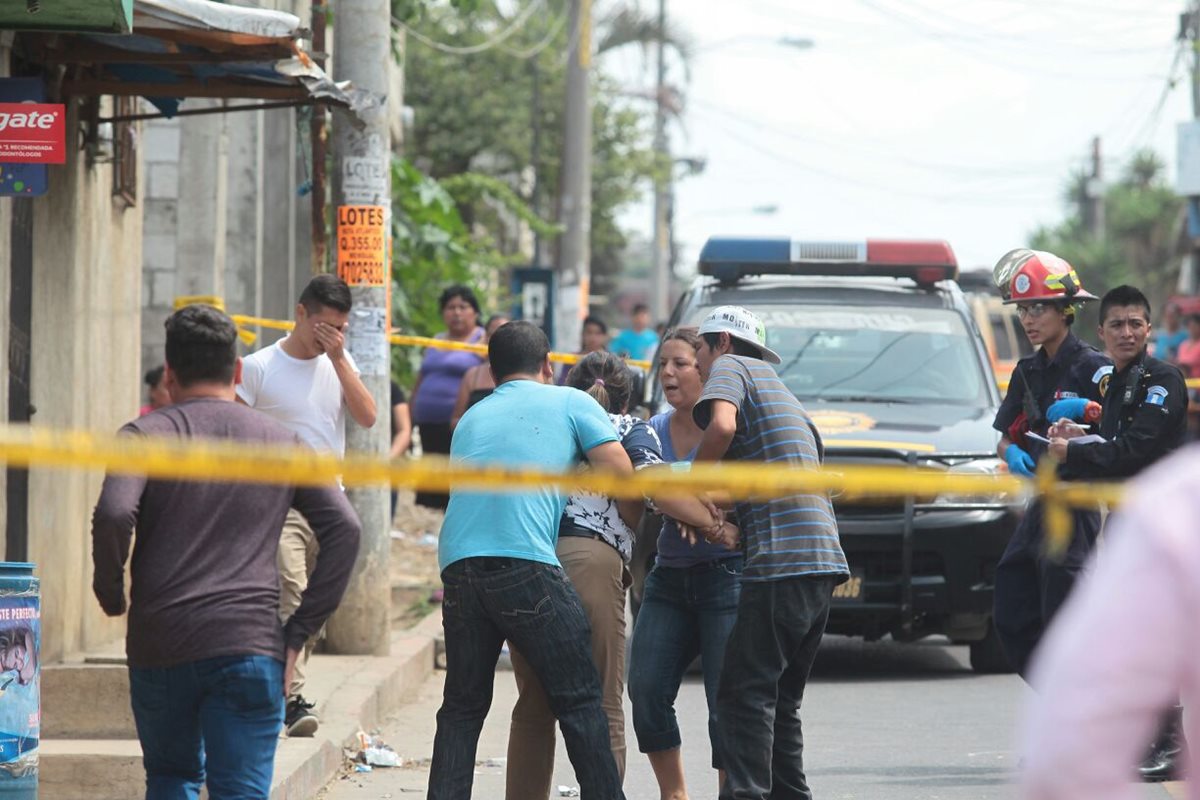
[85, 374]
[224, 217]
[160, 145]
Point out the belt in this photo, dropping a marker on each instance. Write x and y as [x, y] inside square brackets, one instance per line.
[577, 531]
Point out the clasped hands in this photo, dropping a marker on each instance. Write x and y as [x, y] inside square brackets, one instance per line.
[720, 531]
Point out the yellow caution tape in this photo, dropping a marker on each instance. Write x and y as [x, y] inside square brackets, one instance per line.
[242, 320]
[198, 459]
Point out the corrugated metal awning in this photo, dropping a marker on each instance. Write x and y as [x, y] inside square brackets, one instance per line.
[195, 48]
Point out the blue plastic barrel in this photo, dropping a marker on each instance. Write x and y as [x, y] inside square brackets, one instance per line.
[20, 680]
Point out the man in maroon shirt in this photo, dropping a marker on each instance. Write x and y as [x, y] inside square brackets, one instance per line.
[208, 658]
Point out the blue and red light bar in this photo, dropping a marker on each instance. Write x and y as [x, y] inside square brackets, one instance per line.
[926, 261]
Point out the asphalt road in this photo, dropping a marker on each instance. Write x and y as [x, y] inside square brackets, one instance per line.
[901, 722]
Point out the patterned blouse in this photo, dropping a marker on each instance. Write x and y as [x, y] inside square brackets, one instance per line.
[598, 513]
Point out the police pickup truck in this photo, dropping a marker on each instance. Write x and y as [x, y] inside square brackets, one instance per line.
[879, 344]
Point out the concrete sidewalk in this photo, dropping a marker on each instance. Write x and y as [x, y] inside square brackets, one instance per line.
[102, 759]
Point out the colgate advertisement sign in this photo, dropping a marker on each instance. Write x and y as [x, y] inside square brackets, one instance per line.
[33, 133]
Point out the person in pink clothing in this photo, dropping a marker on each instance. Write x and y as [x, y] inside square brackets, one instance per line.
[1123, 650]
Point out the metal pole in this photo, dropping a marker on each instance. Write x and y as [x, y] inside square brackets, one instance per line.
[362, 198]
[317, 141]
[660, 272]
[575, 203]
[535, 153]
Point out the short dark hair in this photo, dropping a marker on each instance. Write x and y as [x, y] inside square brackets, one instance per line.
[326, 291]
[738, 346]
[201, 345]
[458, 290]
[638, 309]
[1121, 296]
[153, 376]
[599, 323]
[517, 348]
[606, 377]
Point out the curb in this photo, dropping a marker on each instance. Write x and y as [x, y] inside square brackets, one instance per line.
[361, 701]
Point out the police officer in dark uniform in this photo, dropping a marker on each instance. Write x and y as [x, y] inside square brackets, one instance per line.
[1144, 418]
[1030, 588]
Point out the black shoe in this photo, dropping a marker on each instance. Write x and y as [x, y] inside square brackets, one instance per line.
[1160, 763]
[298, 719]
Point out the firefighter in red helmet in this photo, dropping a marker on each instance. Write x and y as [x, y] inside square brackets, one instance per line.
[1064, 371]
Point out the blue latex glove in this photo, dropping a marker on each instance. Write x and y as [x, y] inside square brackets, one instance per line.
[1019, 462]
[1072, 408]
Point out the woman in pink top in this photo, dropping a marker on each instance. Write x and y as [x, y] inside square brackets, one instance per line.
[1124, 649]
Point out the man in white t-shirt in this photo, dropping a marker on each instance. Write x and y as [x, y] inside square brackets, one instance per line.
[307, 381]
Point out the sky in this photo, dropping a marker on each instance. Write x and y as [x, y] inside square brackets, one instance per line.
[909, 118]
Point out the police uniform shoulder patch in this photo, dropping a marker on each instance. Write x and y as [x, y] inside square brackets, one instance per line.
[1156, 395]
[1102, 377]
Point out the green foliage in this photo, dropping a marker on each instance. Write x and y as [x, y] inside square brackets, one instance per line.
[409, 11]
[477, 114]
[1142, 219]
[432, 248]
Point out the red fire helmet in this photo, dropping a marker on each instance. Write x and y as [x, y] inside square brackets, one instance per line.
[1035, 275]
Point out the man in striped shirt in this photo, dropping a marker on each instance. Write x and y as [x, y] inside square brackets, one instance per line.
[793, 558]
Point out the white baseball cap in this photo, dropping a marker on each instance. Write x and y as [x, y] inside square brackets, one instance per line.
[740, 324]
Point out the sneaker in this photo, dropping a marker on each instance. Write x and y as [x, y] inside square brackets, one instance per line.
[299, 719]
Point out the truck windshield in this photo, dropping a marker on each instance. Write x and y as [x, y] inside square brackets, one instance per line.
[873, 354]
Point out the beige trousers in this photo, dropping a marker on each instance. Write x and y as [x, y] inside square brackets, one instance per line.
[296, 558]
[599, 576]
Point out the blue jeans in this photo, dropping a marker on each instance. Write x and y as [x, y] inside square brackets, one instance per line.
[219, 716]
[686, 612]
[487, 600]
[771, 650]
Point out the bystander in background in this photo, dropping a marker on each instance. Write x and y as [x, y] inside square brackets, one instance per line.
[156, 389]
[1173, 334]
[401, 432]
[639, 340]
[307, 382]
[442, 372]
[478, 382]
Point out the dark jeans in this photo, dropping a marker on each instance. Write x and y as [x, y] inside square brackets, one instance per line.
[533, 605]
[1031, 588]
[219, 716]
[686, 612]
[767, 660]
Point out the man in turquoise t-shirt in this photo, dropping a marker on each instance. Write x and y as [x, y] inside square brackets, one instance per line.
[638, 341]
[501, 575]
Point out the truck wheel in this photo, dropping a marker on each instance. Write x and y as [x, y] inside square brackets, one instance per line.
[988, 656]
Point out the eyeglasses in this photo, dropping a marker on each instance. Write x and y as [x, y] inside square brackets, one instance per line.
[1034, 310]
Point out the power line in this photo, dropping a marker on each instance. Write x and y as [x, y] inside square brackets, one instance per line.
[500, 37]
[994, 37]
[1001, 172]
[969, 47]
[983, 196]
[551, 33]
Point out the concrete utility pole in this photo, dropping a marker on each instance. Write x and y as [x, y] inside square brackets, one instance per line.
[362, 194]
[660, 269]
[575, 200]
